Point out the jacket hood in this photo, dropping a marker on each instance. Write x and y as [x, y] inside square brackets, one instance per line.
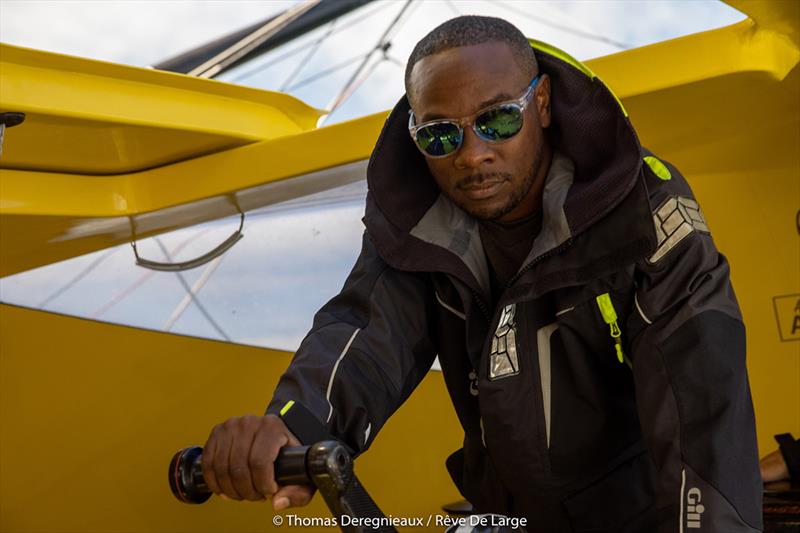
[417, 228]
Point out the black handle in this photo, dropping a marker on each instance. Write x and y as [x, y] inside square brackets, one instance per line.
[186, 472]
[326, 464]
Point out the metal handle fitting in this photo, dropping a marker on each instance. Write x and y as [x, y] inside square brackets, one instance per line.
[192, 263]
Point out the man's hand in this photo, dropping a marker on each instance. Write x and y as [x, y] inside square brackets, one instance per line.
[773, 467]
[238, 461]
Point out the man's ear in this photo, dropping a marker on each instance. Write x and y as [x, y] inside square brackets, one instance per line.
[541, 98]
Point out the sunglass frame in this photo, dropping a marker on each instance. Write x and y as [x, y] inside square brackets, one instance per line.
[520, 103]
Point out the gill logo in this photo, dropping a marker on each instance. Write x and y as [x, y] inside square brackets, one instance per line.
[694, 509]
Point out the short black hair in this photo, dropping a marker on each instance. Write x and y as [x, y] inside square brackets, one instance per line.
[469, 30]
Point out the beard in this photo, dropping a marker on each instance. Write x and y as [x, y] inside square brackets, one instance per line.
[513, 198]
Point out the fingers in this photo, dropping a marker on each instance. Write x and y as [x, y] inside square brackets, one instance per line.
[222, 464]
[267, 443]
[207, 462]
[291, 439]
[292, 496]
[239, 456]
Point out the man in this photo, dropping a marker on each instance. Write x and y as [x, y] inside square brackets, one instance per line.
[585, 323]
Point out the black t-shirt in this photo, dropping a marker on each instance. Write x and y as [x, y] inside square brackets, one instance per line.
[506, 245]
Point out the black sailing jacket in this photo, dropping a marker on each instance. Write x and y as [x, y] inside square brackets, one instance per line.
[607, 391]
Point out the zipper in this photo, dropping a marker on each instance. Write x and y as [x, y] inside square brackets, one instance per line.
[553, 251]
[481, 305]
[544, 445]
[610, 318]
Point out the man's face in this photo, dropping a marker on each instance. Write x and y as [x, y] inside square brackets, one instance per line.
[490, 181]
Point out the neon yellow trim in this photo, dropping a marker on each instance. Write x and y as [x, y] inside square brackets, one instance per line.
[610, 317]
[607, 308]
[563, 56]
[658, 168]
[620, 355]
[619, 102]
[286, 407]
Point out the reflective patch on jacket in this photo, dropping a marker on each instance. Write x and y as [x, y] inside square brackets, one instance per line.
[675, 220]
[503, 359]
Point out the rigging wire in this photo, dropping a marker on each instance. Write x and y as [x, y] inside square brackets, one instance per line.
[276, 60]
[100, 311]
[557, 26]
[323, 73]
[82, 274]
[308, 56]
[241, 48]
[401, 19]
[452, 7]
[394, 61]
[356, 80]
[383, 45]
[357, 83]
[191, 293]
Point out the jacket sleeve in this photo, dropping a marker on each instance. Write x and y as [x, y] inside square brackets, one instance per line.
[692, 390]
[368, 349]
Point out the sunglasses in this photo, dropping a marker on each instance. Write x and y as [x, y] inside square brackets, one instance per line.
[495, 124]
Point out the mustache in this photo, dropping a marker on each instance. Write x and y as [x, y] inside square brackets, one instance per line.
[479, 179]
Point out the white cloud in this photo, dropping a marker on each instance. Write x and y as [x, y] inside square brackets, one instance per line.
[132, 32]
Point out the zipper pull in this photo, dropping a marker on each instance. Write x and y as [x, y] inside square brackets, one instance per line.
[610, 317]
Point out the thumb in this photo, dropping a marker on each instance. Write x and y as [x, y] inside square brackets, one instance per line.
[292, 496]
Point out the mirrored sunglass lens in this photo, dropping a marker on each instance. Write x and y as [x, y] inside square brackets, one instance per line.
[499, 123]
[439, 139]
